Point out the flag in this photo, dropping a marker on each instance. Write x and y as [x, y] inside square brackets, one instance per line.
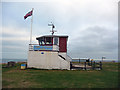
[28, 14]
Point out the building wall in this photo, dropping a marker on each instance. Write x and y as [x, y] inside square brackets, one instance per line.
[46, 60]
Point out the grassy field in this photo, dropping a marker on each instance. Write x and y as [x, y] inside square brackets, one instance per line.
[32, 78]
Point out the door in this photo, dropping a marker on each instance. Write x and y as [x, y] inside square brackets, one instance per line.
[63, 44]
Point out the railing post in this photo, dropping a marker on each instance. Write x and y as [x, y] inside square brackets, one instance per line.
[30, 47]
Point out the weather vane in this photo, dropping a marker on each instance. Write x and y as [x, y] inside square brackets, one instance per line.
[53, 26]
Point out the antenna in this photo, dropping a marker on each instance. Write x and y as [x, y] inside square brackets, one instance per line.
[53, 26]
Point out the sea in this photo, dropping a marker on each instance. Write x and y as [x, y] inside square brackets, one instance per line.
[25, 60]
[15, 60]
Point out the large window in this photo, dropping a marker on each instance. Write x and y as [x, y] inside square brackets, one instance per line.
[48, 40]
[41, 41]
[45, 41]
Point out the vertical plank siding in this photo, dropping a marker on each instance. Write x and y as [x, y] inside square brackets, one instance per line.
[63, 44]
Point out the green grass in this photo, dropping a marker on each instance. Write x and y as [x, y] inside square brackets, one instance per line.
[34, 78]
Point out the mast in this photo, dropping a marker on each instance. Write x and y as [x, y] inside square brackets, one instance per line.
[53, 26]
[31, 27]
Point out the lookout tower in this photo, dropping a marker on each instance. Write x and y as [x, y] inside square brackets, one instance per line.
[52, 43]
[49, 53]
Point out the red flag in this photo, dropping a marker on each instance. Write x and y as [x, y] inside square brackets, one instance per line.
[28, 14]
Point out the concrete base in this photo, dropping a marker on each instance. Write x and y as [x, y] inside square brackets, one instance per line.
[46, 60]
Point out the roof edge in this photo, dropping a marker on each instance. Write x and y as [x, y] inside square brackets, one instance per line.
[52, 36]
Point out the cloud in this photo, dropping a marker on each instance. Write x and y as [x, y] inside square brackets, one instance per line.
[14, 31]
[95, 41]
[16, 34]
[15, 41]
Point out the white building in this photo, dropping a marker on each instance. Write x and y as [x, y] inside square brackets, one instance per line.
[50, 53]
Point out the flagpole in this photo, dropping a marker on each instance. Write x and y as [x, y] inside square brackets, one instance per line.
[31, 27]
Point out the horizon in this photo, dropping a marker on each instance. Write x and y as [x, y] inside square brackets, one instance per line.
[72, 59]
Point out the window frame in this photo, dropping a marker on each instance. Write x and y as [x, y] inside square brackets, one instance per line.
[54, 41]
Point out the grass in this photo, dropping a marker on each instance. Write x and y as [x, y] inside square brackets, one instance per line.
[34, 78]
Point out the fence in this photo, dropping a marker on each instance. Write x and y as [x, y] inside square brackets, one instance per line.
[86, 64]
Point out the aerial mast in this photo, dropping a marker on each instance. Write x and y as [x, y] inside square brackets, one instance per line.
[53, 26]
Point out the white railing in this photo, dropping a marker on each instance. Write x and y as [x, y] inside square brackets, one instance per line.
[31, 47]
[54, 47]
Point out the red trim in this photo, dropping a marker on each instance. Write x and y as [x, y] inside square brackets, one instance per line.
[52, 40]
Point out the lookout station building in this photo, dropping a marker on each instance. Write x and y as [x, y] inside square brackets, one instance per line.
[49, 53]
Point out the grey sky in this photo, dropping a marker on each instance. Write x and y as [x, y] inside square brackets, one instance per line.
[91, 25]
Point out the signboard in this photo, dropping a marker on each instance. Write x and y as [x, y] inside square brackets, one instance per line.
[37, 47]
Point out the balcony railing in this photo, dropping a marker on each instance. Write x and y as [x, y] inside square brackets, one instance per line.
[36, 47]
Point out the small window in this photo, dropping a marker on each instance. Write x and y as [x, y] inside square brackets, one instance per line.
[55, 40]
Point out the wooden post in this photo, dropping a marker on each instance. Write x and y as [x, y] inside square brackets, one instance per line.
[100, 65]
[85, 65]
[70, 65]
[94, 65]
[91, 62]
[79, 60]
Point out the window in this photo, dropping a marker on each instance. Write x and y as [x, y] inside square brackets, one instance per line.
[45, 40]
[48, 40]
[41, 41]
[55, 40]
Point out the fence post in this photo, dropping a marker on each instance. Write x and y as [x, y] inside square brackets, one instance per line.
[94, 65]
[85, 65]
[91, 62]
[70, 65]
[100, 65]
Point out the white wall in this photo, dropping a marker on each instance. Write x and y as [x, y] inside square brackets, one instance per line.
[48, 60]
[55, 48]
[63, 54]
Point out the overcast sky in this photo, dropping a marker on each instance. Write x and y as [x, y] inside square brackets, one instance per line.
[92, 26]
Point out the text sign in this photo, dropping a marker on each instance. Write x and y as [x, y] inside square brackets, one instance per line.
[36, 47]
